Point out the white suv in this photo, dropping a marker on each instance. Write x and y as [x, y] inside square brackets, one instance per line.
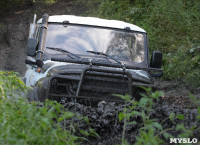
[90, 58]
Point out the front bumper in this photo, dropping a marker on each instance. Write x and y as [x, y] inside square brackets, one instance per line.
[93, 83]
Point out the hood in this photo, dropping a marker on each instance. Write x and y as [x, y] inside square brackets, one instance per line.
[53, 68]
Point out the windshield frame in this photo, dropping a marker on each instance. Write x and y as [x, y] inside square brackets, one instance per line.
[145, 62]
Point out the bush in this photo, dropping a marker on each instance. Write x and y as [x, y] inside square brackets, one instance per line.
[22, 122]
[172, 26]
[183, 65]
[27, 123]
[149, 129]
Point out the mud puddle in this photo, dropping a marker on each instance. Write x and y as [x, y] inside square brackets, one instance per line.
[103, 118]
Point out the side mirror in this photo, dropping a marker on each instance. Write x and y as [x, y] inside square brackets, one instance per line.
[156, 62]
[32, 47]
[156, 59]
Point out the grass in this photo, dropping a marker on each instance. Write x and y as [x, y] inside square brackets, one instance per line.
[173, 28]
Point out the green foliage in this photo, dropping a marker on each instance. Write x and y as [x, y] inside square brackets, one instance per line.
[22, 122]
[173, 28]
[26, 123]
[11, 85]
[150, 130]
[7, 4]
[184, 64]
[196, 102]
[180, 116]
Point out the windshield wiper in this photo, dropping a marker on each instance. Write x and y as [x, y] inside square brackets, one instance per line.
[104, 54]
[63, 51]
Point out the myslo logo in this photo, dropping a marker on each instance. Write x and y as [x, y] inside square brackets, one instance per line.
[183, 140]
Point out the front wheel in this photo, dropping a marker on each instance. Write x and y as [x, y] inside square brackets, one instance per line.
[138, 93]
[32, 94]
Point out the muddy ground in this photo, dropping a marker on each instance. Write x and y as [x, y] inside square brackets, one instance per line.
[14, 28]
[103, 117]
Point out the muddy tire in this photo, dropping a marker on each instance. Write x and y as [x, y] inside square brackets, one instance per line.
[35, 94]
[32, 95]
[138, 93]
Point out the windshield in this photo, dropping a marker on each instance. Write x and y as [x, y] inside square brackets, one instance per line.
[121, 45]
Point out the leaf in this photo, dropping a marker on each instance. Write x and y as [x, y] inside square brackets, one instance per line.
[157, 125]
[171, 117]
[61, 118]
[93, 133]
[180, 127]
[136, 113]
[143, 101]
[2, 92]
[121, 116]
[158, 94]
[86, 119]
[84, 132]
[132, 123]
[180, 116]
[68, 115]
[167, 135]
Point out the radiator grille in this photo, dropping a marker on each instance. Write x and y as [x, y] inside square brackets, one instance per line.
[104, 84]
[96, 85]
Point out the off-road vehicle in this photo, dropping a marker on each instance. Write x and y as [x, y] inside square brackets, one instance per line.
[89, 58]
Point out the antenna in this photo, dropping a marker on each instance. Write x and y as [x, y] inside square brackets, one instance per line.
[34, 19]
[32, 27]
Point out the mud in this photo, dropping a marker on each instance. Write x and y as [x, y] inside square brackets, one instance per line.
[104, 117]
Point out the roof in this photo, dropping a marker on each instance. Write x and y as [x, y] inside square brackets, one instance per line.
[93, 22]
